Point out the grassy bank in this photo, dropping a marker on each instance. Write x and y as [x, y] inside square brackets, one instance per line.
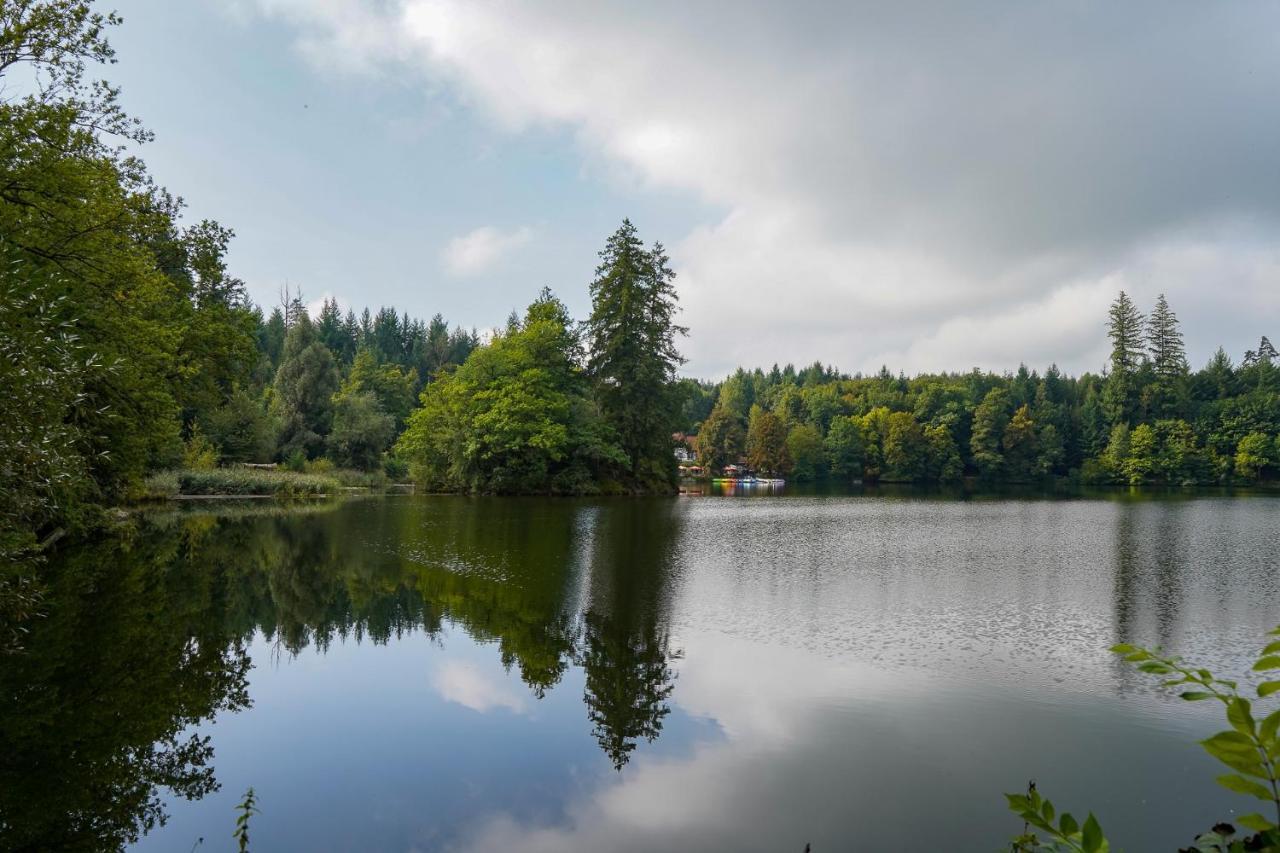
[247, 482]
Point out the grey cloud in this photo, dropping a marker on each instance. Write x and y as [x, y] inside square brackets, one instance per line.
[910, 169]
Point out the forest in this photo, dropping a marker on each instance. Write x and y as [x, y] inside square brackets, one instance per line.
[127, 348]
[1147, 419]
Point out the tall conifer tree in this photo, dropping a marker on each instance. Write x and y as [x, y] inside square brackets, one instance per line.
[633, 356]
[1164, 342]
[1125, 326]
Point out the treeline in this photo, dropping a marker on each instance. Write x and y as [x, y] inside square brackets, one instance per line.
[1147, 419]
[337, 389]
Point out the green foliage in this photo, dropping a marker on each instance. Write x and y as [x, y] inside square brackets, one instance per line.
[242, 428]
[844, 449]
[240, 481]
[632, 355]
[303, 391]
[1021, 446]
[1249, 748]
[767, 443]
[804, 445]
[906, 454]
[515, 417]
[101, 709]
[390, 384]
[199, 453]
[45, 373]
[1254, 454]
[245, 810]
[1062, 832]
[721, 440]
[362, 430]
[990, 420]
[1121, 392]
[395, 468]
[296, 462]
[944, 465]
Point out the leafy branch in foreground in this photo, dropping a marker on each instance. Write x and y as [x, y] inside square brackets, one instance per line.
[1066, 835]
[247, 807]
[1250, 747]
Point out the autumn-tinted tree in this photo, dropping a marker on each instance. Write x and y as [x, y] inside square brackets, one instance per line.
[767, 443]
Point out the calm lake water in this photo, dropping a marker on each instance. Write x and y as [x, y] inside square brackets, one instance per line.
[701, 673]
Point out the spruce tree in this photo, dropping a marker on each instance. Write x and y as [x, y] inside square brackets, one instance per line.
[1120, 396]
[1167, 396]
[1164, 342]
[633, 357]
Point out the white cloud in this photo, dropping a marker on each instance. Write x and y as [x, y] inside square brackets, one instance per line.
[482, 249]
[464, 684]
[314, 306]
[949, 186]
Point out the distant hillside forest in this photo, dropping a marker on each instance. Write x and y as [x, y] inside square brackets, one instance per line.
[1147, 419]
[126, 347]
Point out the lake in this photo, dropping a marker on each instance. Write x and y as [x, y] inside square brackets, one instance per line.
[854, 672]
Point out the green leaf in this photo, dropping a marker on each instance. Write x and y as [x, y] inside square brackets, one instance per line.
[1256, 822]
[1267, 662]
[1271, 648]
[1270, 723]
[1126, 649]
[1250, 765]
[1018, 802]
[1238, 714]
[1236, 751]
[1228, 742]
[1156, 668]
[1091, 835]
[1067, 824]
[1047, 811]
[1266, 688]
[1195, 695]
[1241, 785]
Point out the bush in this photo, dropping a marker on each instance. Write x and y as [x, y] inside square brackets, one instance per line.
[296, 461]
[242, 428]
[395, 468]
[199, 453]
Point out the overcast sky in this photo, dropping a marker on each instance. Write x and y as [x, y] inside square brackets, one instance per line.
[924, 185]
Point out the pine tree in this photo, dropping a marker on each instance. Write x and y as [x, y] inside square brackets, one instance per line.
[1166, 397]
[1121, 394]
[1164, 342]
[633, 356]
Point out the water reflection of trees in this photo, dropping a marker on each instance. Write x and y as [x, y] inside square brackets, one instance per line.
[145, 638]
[626, 650]
[94, 713]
